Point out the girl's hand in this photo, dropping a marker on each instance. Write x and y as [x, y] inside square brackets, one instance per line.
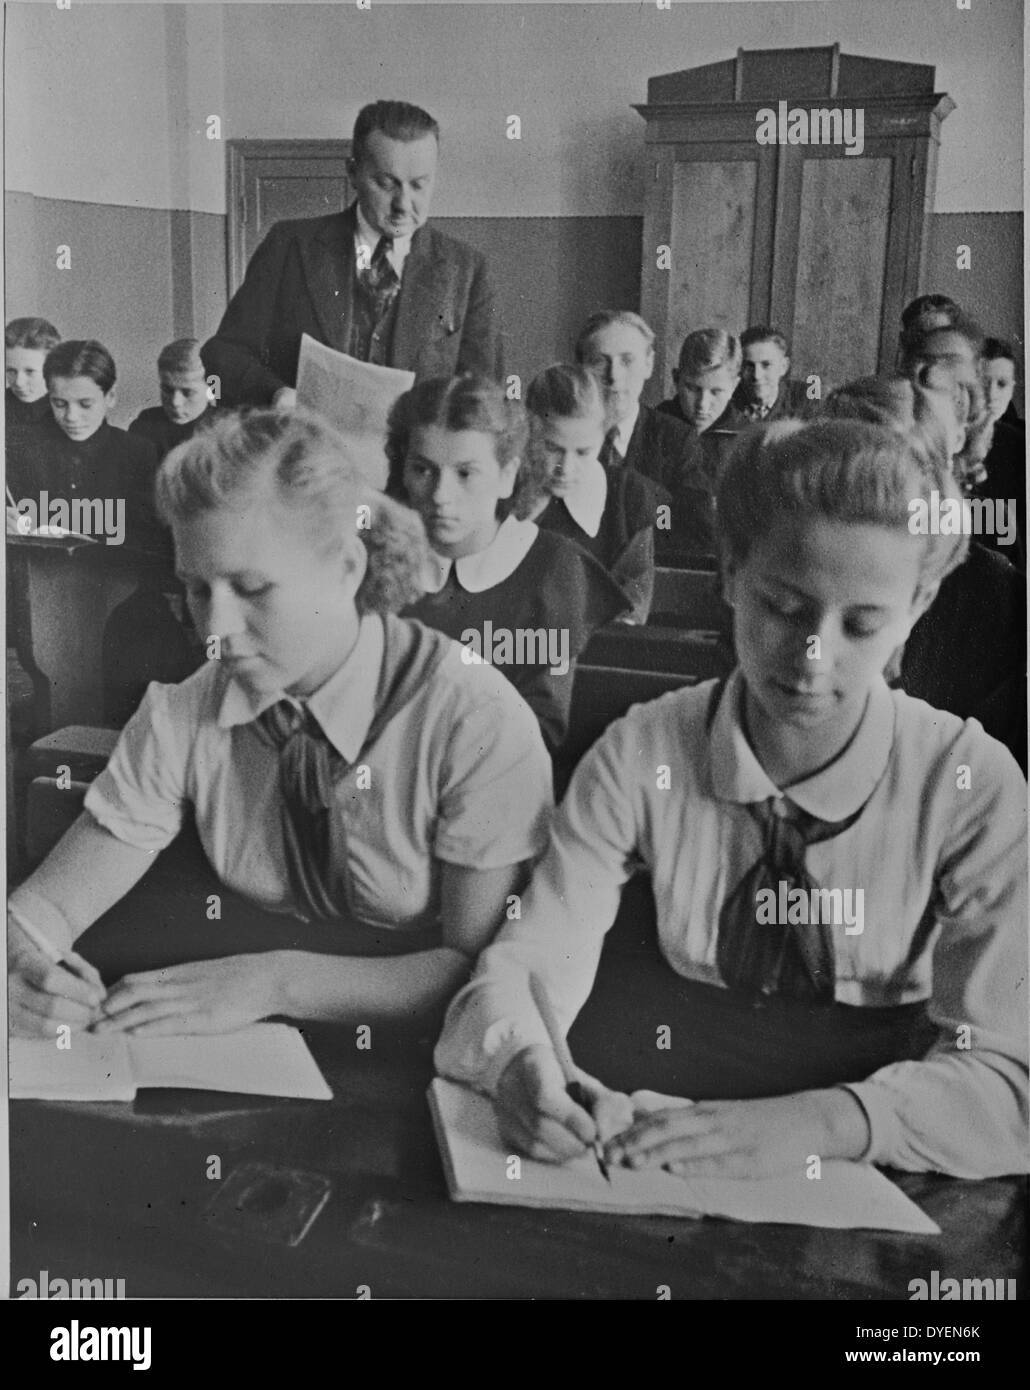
[211, 996]
[745, 1138]
[537, 1117]
[43, 995]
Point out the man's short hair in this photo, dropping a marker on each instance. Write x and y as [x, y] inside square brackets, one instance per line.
[708, 349]
[605, 318]
[34, 334]
[397, 119]
[927, 304]
[763, 333]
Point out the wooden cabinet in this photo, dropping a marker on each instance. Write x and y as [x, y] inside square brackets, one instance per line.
[823, 240]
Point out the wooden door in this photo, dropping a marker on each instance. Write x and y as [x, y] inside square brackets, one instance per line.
[272, 180]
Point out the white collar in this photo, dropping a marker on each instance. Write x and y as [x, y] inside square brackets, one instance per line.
[366, 235]
[488, 567]
[624, 430]
[585, 504]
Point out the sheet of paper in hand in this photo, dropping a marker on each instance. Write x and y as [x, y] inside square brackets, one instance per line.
[353, 396]
[479, 1168]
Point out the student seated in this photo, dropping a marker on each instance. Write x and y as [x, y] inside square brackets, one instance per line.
[344, 766]
[766, 393]
[1005, 461]
[967, 652]
[77, 456]
[998, 371]
[822, 866]
[619, 347]
[610, 512]
[524, 599]
[706, 379]
[26, 344]
[185, 401]
[951, 357]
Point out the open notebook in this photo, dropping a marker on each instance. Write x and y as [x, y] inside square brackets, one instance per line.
[845, 1196]
[266, 1059]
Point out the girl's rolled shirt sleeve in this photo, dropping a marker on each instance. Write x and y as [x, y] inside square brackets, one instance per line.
[962, 1110]
[139, 797]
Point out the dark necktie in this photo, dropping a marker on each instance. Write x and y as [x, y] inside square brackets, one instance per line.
[381, 280]
[609, 455]
[309, 767]
[793, 959]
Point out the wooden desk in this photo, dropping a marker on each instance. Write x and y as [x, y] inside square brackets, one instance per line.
[120, 1191]
[62, 594]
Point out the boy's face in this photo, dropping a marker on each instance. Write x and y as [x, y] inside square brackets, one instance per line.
[703, 396]
[765, 366]
[999, 379]
[454, 482]
[854, 588]
[80, 407]
[394, 182]
[282, 609]
[623, 361]
[566, 446]
[24, 373]
[183, 395]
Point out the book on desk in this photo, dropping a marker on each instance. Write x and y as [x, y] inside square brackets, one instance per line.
[267, 1059]
[479, 1168]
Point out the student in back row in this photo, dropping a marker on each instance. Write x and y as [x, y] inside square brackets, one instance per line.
[766, 392]
[77, 453]
[185, 401]
[26, 344]
[608, 511]
[706, 379]
[619, 347]
[832, 891]
[522, 598]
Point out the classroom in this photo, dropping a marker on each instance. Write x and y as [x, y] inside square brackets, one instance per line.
[509, 750]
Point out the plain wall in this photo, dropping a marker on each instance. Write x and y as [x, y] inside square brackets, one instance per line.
[107, 149]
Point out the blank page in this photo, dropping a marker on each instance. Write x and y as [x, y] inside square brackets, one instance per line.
[91, 1068]
[265, 1059]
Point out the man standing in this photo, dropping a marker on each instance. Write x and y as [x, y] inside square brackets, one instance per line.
[373, 281]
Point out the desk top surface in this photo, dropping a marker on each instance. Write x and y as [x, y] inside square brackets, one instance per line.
[128, 1184]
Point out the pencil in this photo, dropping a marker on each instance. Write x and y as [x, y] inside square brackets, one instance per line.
[574, 1088]
[43, 943]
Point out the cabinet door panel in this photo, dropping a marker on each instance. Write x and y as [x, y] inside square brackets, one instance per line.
[843, 221]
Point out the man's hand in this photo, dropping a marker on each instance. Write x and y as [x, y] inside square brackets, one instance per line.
[284, 400]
